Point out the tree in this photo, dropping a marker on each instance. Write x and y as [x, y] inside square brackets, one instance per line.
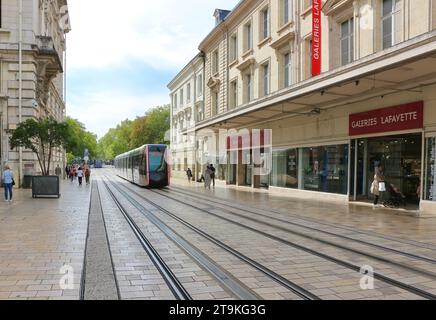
[40, 136]
[80, 139]
[128, 135]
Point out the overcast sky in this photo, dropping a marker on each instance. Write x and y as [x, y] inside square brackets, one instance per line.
[122, 54]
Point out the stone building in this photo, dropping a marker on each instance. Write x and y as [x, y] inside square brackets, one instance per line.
[32, 47]
[187, 108]
[341, 85]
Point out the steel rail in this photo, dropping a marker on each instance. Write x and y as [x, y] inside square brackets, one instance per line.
[180, 293]
[406, 287]
[293, 287]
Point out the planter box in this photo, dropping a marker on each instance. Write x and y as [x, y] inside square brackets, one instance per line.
[45, 186]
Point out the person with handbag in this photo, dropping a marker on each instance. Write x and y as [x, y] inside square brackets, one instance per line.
[8, 183]
[379, 184]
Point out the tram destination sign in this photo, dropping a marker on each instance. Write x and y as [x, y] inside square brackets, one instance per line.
[404, 117]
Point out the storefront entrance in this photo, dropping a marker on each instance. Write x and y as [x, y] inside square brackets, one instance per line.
[401, 157]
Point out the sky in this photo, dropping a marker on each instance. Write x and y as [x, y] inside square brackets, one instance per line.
[122, 54]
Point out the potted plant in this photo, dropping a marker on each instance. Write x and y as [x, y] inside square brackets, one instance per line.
[41, 136]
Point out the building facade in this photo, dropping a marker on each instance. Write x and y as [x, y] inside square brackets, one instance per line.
[339, 95]
[187, 108]
[32, 47]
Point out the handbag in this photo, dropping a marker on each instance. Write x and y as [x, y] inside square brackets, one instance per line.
[382, 186]
[13, 182]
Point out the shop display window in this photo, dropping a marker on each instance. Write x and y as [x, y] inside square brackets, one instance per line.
[285, 169]
[322, 169]
[325, 169]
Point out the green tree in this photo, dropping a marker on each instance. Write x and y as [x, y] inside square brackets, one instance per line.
[40, 136]
[80, 139]
[151, 128]
[148, 129]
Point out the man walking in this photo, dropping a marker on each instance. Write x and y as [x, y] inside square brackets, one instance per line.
[212, 176]
[189, 174]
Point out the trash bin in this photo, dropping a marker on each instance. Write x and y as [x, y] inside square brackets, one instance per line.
[27, 182]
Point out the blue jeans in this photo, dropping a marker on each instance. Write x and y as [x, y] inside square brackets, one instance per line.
[8, 191]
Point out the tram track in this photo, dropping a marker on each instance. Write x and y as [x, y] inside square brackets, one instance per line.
[418, 244]
[299, 225]
[179, 292]
[291, 286]
[378, 276]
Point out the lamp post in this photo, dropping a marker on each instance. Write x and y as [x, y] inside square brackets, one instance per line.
[20, 80]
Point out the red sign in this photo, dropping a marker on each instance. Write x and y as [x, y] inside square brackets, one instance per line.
[405, 117]
[316, 37]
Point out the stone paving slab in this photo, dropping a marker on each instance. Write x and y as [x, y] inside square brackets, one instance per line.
[365, 218]
[40, 241]
[99, 278]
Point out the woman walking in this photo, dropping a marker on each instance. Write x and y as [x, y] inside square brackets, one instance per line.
[8, 182]
[207, 177]
[80, 176]
[378, 184]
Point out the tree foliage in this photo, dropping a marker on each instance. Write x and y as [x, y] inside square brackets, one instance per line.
[79, 140]
[41, 137]
[128, 135]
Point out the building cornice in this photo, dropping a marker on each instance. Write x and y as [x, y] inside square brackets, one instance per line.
[240, 9]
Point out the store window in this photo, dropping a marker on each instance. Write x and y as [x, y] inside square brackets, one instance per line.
[430, 192]
[285, 169]
[400, 156]
[325, 169]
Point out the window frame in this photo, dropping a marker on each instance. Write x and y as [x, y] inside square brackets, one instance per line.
[287, 69]
[199, 85]
[248, 36]
[349, 37]
[233, 94]
[392, 15]
[188, 92]
[215, 62]
[248, 87]
[234, 47]
[265, 23]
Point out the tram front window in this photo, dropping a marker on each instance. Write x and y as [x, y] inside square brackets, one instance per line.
[157, 160]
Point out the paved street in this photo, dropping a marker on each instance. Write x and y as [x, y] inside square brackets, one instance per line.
[219, 244]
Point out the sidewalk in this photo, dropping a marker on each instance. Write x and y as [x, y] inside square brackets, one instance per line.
[38, 237]
[388, 222]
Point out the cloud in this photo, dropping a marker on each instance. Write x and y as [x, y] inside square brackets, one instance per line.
[105, 109]
[122, 54]
[163, 34]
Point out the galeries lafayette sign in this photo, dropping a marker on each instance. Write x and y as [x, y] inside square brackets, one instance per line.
[404, 117]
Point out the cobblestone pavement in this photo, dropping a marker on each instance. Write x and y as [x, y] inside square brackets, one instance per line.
[40, 236]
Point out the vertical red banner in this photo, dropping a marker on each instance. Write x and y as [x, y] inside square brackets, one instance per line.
[316, 37]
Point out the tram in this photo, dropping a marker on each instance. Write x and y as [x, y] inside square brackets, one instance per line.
[146, 166]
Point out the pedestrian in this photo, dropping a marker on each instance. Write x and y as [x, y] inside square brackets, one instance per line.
[80, 175]
[212, 176]
[8, 182]
[207, 177]
[379, 184]
[87, 175]
[58, 171]
[189, 174]
[71, 173]
[67, 171]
